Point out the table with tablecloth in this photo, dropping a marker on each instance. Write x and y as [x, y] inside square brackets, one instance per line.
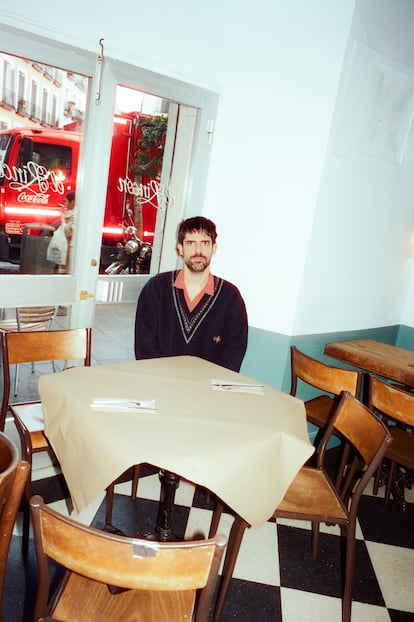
[244, 447]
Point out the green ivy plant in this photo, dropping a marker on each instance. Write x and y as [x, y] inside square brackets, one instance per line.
[149, 151]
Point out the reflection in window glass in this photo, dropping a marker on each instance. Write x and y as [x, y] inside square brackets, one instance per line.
[41, 119]
[133, 194]
[42, 108]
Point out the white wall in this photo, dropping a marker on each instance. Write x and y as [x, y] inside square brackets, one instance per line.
[279, 201]
[281, 78]
[359, 261]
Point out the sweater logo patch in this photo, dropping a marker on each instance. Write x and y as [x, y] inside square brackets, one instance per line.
[217, 339]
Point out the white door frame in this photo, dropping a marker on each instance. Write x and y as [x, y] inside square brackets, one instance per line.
[189, 173]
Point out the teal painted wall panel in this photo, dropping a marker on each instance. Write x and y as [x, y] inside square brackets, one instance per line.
[405, 338]
[267, 357]
[268, 354]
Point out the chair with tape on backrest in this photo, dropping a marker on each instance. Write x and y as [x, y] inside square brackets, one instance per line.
[13, 476]
[155, 581]
[54, 345]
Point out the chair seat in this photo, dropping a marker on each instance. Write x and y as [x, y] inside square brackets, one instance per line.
[31, 415]
[85, 600]
[319, 410]
[311, 496]
[401, 449]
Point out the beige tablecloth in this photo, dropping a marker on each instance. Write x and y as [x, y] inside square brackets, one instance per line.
[245, 448]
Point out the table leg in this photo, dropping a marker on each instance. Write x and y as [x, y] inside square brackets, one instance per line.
[402, 479]
[164, 527]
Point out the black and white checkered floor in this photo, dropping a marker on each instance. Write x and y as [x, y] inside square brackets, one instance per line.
[275, 579]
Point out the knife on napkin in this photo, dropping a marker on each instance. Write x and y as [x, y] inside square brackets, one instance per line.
[123, 405]
[237, 387]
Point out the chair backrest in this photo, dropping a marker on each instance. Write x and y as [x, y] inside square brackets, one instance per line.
[328, 378]
[391, 401]
[35, 318]
[13, 477]
[121, 561]
[368, 439]
[54, 345]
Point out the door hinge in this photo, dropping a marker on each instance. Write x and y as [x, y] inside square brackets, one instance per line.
[209, 130]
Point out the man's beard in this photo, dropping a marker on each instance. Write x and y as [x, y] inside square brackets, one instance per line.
[197, 263]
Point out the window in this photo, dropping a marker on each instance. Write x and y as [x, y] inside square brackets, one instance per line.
[21, 94]
[33, 101]
[45, 115]
[8, 90]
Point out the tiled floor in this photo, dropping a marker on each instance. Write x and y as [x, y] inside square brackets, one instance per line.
[275, 579]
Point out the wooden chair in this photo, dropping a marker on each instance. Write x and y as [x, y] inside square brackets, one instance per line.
[29, 319]
[53, 345]
[13, 477]
[164, 582]
[396, 407]
[313, 497]
[327, 378]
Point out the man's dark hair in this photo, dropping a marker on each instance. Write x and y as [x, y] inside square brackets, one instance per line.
[197, 223]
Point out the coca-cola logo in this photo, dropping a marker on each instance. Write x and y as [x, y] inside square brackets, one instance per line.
[33, 178]
[38, 198]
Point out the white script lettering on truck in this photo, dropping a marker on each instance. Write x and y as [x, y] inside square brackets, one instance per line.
[30, 174]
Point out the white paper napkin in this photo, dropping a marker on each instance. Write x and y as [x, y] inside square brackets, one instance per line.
[237, 387]
[123, 405]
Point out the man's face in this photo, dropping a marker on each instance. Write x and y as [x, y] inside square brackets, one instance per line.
[197, 250]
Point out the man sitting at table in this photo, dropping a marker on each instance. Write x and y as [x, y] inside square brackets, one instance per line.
[191, 311]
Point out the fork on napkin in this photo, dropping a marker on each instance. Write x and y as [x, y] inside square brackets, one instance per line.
[237, 387]
[123, 405]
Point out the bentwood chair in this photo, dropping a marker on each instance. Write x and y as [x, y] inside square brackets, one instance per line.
[13, 477]
[396, 408]
[161, 581]
[29, 319]
[313, 497]
[54, 345]
[329, 379]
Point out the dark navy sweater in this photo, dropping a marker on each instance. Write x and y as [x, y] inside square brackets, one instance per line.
[215, 330]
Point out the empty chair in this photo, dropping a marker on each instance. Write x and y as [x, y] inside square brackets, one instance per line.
[54, 345]
[313, 497]
[327, 378]
[13, 477]
[165, 582]
[396, 407]
[29, 319]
